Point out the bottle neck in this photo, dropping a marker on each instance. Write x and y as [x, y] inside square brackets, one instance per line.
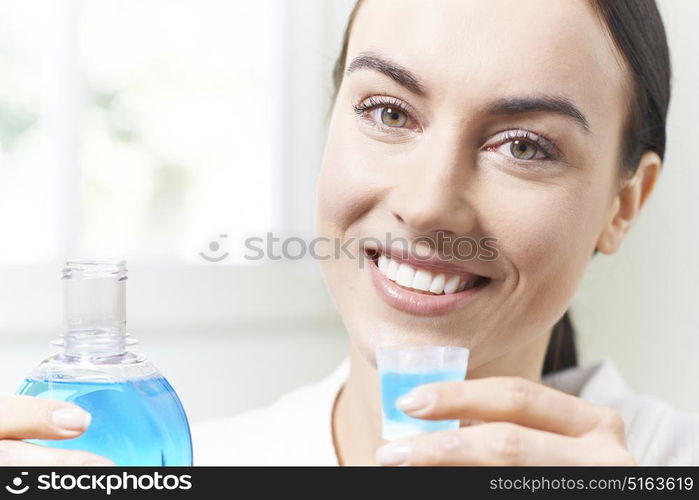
[94, 307]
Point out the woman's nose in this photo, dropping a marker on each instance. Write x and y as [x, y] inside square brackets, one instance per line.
[433, 196]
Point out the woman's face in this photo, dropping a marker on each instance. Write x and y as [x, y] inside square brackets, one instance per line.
[502, 120]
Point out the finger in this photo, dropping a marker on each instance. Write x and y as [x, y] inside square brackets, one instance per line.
[510, 399]
[22, 453]
[500, 443]
[27, 417]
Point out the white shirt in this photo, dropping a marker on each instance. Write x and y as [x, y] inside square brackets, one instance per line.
[297, 428]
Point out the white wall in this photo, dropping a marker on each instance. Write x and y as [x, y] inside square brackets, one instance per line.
[639, 307]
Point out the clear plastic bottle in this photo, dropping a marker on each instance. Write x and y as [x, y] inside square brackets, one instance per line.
[137, 418]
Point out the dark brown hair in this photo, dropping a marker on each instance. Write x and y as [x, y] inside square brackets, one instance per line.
[637, 30]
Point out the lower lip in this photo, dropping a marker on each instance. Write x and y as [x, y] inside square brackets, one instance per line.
[419, 304]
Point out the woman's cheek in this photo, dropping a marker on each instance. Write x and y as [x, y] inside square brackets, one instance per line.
[344, 196]
[542, 233]
[344, 190]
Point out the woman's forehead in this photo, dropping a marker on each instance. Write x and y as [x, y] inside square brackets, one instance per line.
[471, 48]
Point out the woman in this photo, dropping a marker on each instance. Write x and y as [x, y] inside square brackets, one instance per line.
[540, 125]
[537, 126]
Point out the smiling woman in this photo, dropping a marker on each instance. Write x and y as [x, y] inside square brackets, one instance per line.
[480, 158]
[452, 120]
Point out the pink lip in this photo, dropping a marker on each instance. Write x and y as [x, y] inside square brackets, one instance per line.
[416, 303]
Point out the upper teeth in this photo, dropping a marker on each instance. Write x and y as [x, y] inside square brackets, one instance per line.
[422, 279]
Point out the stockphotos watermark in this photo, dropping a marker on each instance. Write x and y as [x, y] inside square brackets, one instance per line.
[273, 247]
[100, 482]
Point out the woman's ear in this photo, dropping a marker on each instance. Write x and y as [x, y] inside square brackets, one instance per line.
[632, 195]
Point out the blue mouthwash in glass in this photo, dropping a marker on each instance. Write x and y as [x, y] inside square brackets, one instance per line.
[394, 384]
[137, 418]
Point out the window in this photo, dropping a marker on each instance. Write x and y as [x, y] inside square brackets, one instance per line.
[155, 120]
[147, 129]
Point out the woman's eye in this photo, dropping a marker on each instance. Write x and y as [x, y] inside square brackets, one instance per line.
[393, 117]
[385, 113]
[523, 150]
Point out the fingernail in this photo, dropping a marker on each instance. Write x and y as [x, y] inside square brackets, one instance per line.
[71, 419]
[393, 454]
[416, 400]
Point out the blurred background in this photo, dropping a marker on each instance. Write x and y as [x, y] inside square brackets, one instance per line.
[156, 130]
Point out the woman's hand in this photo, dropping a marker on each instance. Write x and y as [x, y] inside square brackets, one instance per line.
[27, 417]
[524, 423]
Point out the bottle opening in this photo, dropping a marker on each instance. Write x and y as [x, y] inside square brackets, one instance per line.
[94, 301]
[95, 268]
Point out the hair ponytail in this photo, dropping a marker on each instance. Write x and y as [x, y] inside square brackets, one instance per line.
[561, 352]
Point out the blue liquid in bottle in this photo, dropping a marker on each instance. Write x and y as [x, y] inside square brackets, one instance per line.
[396, 384]
[137, 422]
[137, 418]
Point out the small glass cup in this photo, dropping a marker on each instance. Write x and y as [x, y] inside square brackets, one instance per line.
[401, 369]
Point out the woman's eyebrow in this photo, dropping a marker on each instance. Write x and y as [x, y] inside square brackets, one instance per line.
[396, 72]
[543, 103]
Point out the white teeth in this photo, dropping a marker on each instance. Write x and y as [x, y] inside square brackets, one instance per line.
[422, 280]
[437, 285]
[383, 264]
[451, 284]
[392, 270]
[405, 275]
